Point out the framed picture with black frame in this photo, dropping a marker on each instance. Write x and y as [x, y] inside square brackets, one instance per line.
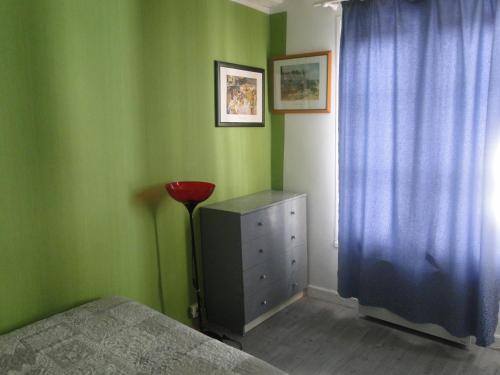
[239, 95]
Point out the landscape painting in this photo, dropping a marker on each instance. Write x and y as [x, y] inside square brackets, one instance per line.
[300, 82]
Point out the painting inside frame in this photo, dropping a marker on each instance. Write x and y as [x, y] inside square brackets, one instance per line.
[239, 95]
[302, 83]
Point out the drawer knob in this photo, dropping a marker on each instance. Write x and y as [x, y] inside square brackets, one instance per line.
[263, 277]
[292, 212]
[293, 237]
[261, 251]
[294, 261]
[263, 303]
[259, 223]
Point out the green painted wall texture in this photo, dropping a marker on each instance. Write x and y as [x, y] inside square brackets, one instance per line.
[278, 48]
[101, 103]
[182, 140]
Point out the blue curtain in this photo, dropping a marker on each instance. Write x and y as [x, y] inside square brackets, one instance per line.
[419, 128]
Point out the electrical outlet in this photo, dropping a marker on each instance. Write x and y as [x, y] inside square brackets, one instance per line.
[193, 310]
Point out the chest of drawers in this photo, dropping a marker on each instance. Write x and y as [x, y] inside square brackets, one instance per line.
[254, 251]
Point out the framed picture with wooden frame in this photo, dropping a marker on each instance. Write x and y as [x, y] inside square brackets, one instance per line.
[239, 95]
[302, 83]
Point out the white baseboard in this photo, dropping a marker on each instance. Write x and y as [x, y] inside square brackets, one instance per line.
[254, 323]
[496, 344]
[331, 295]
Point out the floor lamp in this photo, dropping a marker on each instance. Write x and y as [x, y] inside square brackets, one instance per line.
[190, 194]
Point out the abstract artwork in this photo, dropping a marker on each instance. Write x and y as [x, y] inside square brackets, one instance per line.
[239, 95]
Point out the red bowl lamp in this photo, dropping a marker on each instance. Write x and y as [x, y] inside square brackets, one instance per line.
[190, 193]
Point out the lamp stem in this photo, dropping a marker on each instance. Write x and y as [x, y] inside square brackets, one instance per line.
[196, 284]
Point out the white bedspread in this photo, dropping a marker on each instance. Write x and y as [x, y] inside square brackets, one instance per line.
[118, 336]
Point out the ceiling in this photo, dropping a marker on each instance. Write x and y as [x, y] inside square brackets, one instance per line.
[266, 6]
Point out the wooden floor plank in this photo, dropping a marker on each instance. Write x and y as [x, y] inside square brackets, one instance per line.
[313, 337]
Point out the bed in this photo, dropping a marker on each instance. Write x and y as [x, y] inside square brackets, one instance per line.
[118, 336]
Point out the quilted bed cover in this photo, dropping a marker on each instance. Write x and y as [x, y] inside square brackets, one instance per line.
[118, 336]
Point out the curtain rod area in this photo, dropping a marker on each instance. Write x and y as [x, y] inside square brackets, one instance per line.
[330, 3]
[333, 4]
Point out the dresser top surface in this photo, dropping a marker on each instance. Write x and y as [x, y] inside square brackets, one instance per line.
[253, 202]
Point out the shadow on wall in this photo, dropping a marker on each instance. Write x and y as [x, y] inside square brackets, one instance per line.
[151, 198]
[103, 99]
[72, 152]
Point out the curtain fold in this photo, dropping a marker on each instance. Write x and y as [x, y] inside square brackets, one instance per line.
[419, 128]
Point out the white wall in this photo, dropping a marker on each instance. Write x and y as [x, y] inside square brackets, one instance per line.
[310, 159]
[311, 143]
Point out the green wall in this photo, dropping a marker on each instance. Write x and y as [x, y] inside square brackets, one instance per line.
[72, 152]
[101, 103]
[278, 48]
[182, 40]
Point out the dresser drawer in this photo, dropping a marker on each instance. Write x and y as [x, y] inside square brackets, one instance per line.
[265, 248]
[264, 275]
[297, 269]
[297, 281]
[296, 210]
[295, 236]
[254, 256]
[297, 264]
[296, 221]
[261, 302]
[258, 223]
[297, 256]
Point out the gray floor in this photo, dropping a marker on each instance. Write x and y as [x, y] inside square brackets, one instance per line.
[316, 337]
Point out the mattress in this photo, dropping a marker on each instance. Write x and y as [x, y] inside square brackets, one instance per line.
[119, 336]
